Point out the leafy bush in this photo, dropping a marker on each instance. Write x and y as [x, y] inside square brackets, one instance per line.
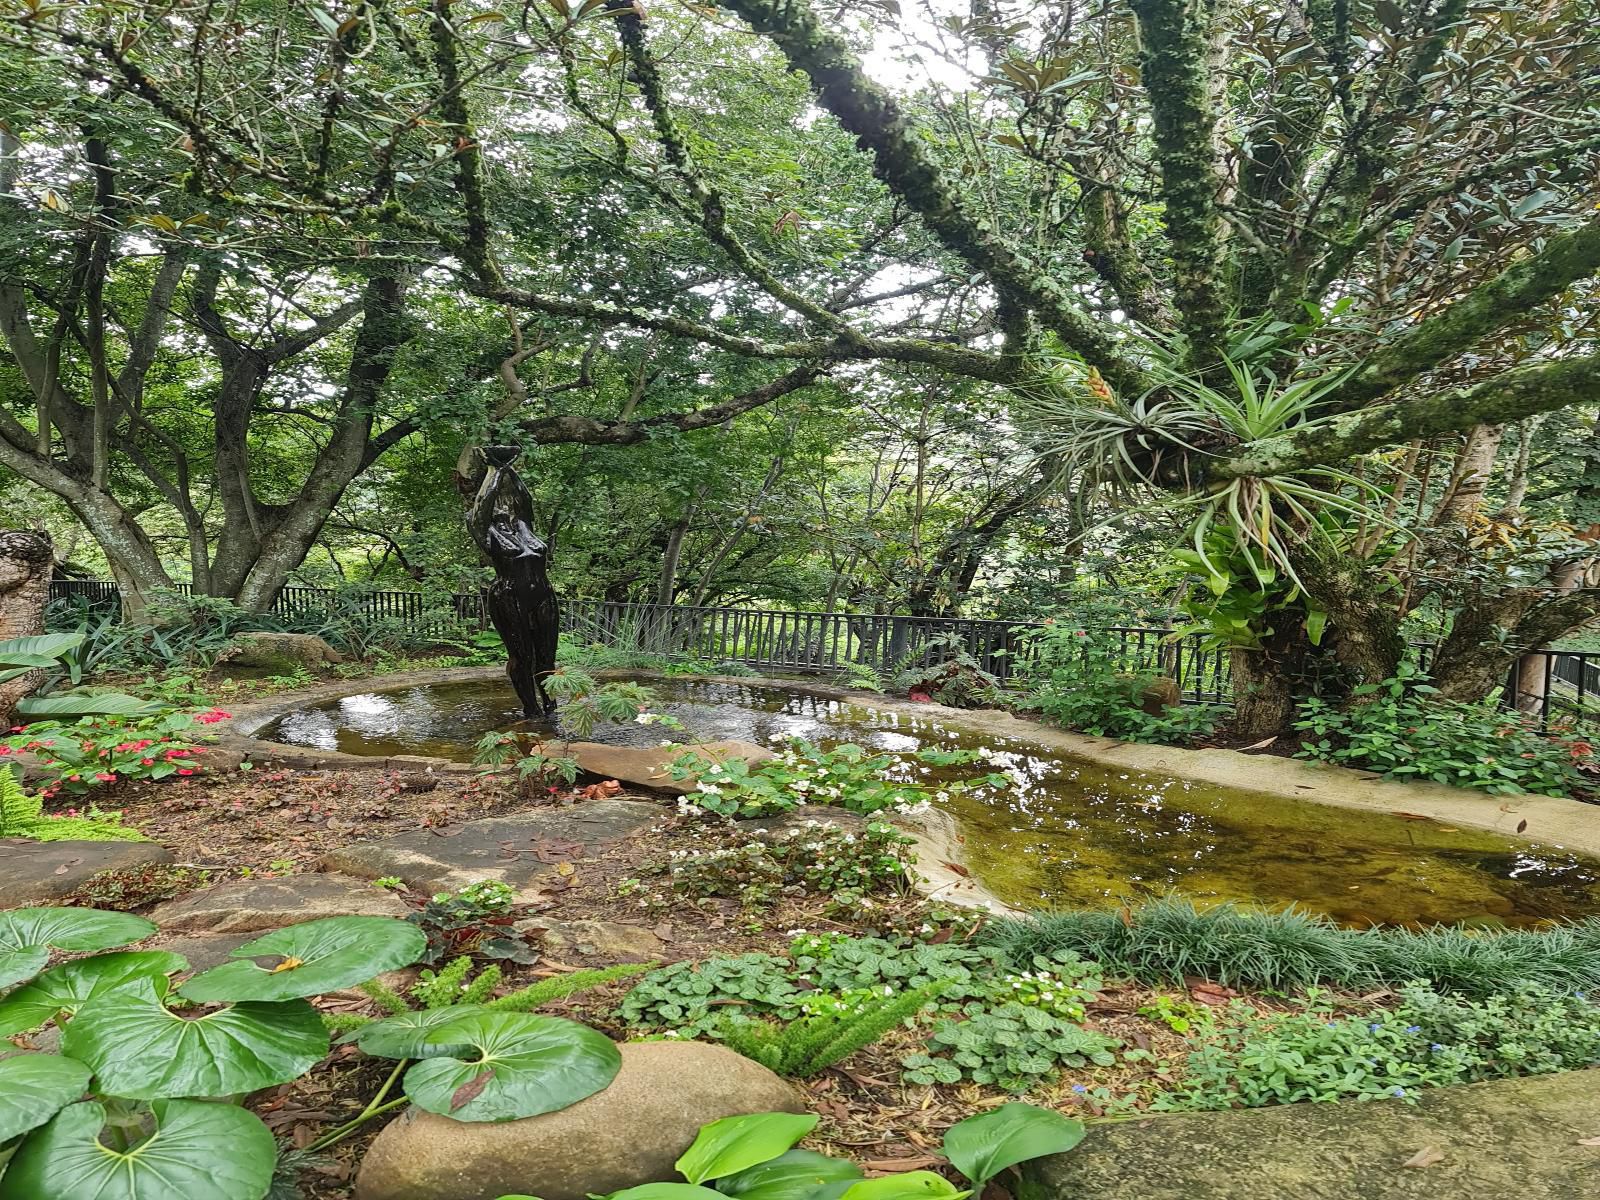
[687, 998]
[944, 671]
[475, 920]
[1165, 940]
[845, 776]
[1402, 729]
[1079, 679]
[1428, 1039]
[1013, 1047]
[23, 816]
[79, 758]
[55, 656]
[813, 858]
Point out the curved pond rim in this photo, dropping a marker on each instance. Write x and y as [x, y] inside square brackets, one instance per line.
[1547, 820]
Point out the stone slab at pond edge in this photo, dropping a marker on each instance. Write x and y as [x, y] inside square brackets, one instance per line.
[629, 1133]
[1510, 1138]
[39, 872]
[246, 905]
[500, 848]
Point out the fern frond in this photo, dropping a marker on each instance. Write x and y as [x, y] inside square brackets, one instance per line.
[559, 987]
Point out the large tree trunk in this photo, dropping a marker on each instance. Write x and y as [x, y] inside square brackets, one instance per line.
[1492, 633]
[1269, 682]
[26, 564]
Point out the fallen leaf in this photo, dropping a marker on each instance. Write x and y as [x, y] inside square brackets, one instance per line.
[1594, 1141]
[1522, 825]
[1428, 1156]
[957, 868]
[1410, 816]
[470, 1090]
[1261, 745]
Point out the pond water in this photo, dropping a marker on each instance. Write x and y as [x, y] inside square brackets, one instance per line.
[1074, 834]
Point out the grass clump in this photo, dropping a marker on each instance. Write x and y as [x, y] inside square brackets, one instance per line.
[1165, 940]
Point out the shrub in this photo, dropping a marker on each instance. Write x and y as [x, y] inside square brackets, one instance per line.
[1402, 729]
[77, 759]
[845, 776]
[945, 672]
[476, 921]
[813, 858]
[1165, 940]
[1428, 1039]
[23, 816]
[1079, 678]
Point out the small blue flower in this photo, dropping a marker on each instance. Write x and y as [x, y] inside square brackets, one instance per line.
[1079, 1088]
[1413, 1028]
[1436, 1047]
[1580, 995]
[1399, 1091]
[1374, 1027]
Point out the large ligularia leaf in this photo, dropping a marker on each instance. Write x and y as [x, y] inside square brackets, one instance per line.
[140, 1049]
[199, 1151]
[68, 987]
[984, 1145]
[317, 956]
[34, 1087]
[793, 1175]
[526, 1065]
[730, 1145]
[28, 934]
[405, 1035]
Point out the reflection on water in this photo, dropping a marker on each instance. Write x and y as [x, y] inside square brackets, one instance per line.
[1071, 833]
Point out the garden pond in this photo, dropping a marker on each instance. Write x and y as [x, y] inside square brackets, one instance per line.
[1072, 833]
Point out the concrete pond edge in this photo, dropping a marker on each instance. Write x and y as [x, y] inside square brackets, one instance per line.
[1569, 824]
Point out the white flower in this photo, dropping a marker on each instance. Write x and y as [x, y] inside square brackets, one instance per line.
[709, 789]
[645, 718]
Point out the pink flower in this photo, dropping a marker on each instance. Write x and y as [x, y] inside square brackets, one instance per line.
[212, 717]
[185, 770]
[106, 776]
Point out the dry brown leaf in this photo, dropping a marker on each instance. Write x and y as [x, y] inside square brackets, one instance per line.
[1428, 1156]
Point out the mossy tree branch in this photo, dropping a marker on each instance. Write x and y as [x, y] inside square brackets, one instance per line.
[1175, 37]
[867, 110]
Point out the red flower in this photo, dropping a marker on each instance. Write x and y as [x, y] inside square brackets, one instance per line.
[147, 762]
[212, 717]
[106, 776]
[185, 770]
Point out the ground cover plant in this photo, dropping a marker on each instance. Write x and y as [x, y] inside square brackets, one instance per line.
[1163, 941]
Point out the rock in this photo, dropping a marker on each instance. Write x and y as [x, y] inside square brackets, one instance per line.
[610, 940]
[38, 872]
[1512, 1137]
[628, 1134]
[646, 766]
[203, 950]
[280, 652]
[246, 905]
[502, 848]
[1160, 694]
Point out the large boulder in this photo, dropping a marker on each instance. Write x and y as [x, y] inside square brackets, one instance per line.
[281, 652]
[648, 766]
[39, 872]
[247, 905]
[628, 1134]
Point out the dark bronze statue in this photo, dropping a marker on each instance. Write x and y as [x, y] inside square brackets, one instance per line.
[521, 602]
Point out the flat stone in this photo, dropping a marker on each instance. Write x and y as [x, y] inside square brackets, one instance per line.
[628, 1134]
[246, 905]
[203, 950]
[647, 766]
[612, 941]
[501, 848]
[1514, 1137]
[38, 872]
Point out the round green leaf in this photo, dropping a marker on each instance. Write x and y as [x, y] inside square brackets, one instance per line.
[984, 1145]
[34, 1087]
[405, 1035]
[142, 1050]
[910, 1185]
[215, 1151]
[68, 987]
[317, 956]
[793, 1175]
[25, 934]
[526, 1065]
[732, 1144]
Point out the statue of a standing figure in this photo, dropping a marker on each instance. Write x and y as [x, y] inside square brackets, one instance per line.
[522, 604]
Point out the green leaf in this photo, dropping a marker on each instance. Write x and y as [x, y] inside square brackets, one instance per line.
[34, 1087]
[527, 1065]
[793, 1175]
[666, 1191]
[913, 1185]
[405, 1035]
[87, 704]
[984, 1145]
[314, 957]
[66, 988]
[732, 1144]
[140, 1049]
[215, 1151]
[28, 934]
[41, 650]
